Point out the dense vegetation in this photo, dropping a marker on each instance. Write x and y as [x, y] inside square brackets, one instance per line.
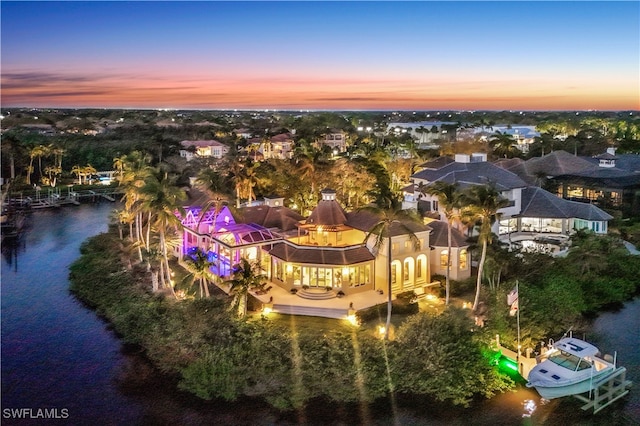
[559, 293]
[217, 355]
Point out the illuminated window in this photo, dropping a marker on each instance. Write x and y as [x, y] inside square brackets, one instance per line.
[278, 267]
[419, 268]
[406, 270]
[463, 259]
[393, 274]
[444, 254]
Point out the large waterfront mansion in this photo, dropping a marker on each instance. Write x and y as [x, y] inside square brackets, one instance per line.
[327, 263]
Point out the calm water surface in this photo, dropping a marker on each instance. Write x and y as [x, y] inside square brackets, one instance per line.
[56, 353]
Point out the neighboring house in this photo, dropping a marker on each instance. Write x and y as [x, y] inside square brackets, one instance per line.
[426, 133]
[43, 129]
[243, 133]
[279, 146]
[335, 139]
[608, 179]
[524, 136]
[460, 258]
[321, 257]
[203, 149]
[530, 209]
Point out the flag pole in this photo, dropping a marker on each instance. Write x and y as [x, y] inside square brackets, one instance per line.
[518, 322]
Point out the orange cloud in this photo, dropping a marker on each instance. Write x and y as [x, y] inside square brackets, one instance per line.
[138, 91]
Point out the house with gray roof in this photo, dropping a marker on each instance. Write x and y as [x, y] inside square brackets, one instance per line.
[607, 180]
[531, 209]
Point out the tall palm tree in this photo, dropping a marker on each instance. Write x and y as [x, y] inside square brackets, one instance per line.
[246, 277]
[390, 220]
[161, 199]
[449, 197]
[35, 152]
[481, 205]
[134, 168]
[246, 181]
[199, 267]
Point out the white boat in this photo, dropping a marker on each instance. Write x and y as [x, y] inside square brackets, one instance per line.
[570, 367]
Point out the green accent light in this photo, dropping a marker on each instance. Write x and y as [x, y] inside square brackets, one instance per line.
[506, 363]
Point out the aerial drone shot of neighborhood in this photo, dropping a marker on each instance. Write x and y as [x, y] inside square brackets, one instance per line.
[320, 213]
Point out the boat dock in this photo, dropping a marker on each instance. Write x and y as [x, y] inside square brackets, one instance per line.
[57, 197]
[524, 361]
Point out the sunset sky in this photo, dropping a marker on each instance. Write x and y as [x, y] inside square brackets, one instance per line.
[419, 55]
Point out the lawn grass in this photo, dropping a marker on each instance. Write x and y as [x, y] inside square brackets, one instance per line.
[321, 326]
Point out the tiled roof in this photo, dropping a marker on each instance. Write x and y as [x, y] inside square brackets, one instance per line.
[606, 156]
[508, 163]
[365, 221]
[327, 212]
[280, 217]
[437, 163]
[439, 237]
[362, 219]
[536, 202]
[282, 137]
[473, 173]
[320, 256]
[202, 143]
[558, 163]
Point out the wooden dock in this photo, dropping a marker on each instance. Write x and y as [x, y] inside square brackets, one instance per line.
[606, 391]
[55, 197]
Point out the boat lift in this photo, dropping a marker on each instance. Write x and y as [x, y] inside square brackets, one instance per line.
[606, 391]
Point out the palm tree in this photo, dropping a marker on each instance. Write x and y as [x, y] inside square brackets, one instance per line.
[503, 145]
[199, 267]
[36, 151]
[161, 199]
[214, 185]
[389, 222]
[89, 170]
[449, 197]
[481, 204]
[134, 169]
[43, 151]
[247, 181]
[77, 170]
[246, 277]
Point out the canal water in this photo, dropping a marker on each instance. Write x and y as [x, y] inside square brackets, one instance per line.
[58, 356]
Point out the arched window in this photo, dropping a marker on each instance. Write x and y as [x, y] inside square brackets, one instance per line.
[444, 254]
